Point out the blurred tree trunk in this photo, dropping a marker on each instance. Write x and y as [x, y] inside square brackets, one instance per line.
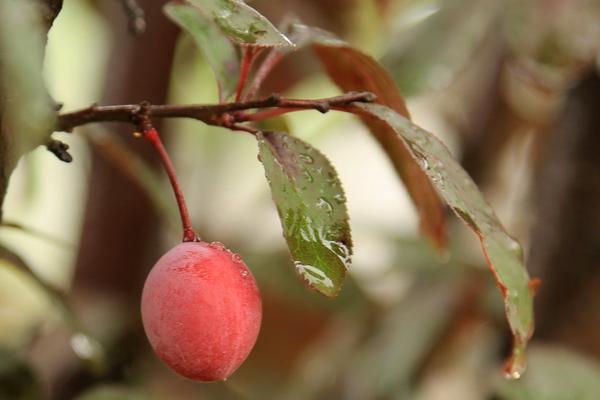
[120, 226]
[565, 251]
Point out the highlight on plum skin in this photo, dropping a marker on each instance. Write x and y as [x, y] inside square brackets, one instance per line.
[201, 310]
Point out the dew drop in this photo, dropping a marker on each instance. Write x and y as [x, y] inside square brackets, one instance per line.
[305, 158]
[236, 258]
[323, 204]
[308, 176]
[421, 140]
[217, 246]
[313, 275]
[331, 178]
[516, 248]
[339, 198]
[515, 375]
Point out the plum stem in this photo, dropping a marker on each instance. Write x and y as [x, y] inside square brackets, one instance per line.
[151, 134]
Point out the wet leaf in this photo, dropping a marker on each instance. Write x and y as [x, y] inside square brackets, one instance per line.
[241, 23]
[554, 373]
[312, 208]
[503, 253]
[220, 53]
[353, 70]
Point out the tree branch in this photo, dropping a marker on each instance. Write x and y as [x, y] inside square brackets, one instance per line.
[228, 115]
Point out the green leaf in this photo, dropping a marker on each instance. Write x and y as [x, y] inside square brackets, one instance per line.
[554, 373]
[27, 112]
[353, 70]
[312, 208]
[241, 23]
[503, 253]
[220, 53]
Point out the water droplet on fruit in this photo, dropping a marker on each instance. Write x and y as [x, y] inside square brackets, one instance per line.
[217, 246]
[236, 258]
[243, 272]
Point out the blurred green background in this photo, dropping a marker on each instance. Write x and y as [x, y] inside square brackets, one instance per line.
[510, 86]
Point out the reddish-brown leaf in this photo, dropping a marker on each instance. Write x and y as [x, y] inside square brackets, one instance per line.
[353, 70]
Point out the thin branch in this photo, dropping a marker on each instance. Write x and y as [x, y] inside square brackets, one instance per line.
[263, 115]
[272, 59]
[226, 115]
[249, 54]
[151, 135]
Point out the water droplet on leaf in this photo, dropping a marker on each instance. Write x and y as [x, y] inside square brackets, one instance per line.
[308, 176]
[305, 158]
[313, 275]
[339, 198]
[323, 204]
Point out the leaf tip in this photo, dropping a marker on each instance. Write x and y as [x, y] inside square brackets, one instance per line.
[515, 366]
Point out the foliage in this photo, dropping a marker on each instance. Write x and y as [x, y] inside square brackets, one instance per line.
[244, 50]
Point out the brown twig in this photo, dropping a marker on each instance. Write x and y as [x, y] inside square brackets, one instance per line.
[249, 55]
[60, 150]
[272, 59]
[227, 115]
